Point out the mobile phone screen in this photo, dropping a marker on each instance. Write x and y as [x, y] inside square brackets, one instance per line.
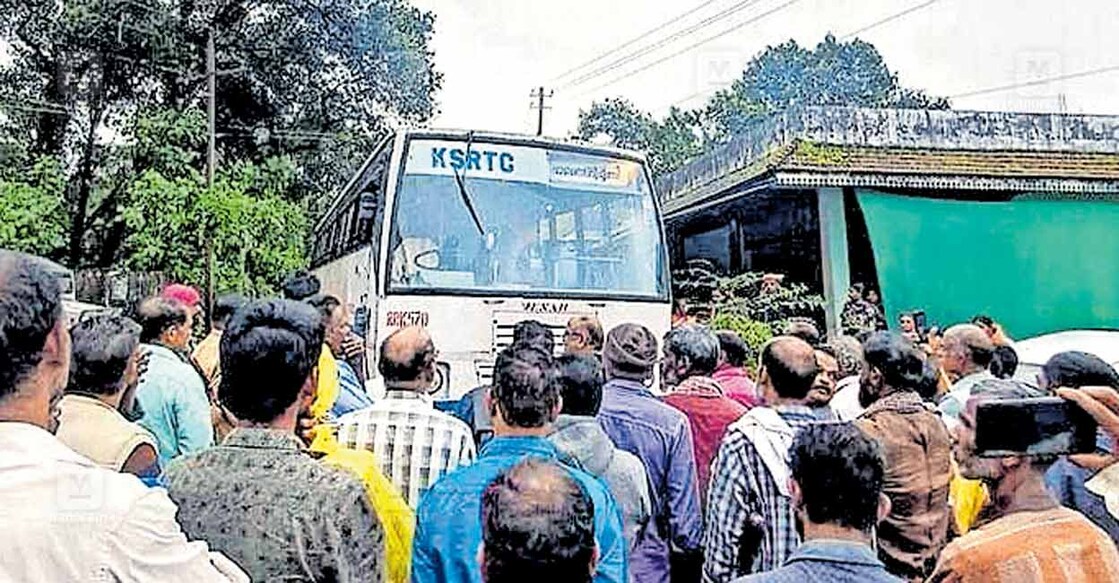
[361, 321]
[1046, 425]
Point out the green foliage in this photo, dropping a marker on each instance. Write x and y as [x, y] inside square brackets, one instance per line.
[33, 217]
[737, 303]
[850, 73]
[753, 332]
[669, 143]
[313, 82]
[257, 236]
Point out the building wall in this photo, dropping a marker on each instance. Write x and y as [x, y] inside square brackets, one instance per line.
[1036, 265]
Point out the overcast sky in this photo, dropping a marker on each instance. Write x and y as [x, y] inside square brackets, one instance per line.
[492, 53]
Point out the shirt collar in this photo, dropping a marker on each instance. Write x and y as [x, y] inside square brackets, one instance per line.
[629, 386]
[89, 399]
[521, 446]
[836, 551]
[407, 395]
[796, 413]
[262, 438]
[699, 387]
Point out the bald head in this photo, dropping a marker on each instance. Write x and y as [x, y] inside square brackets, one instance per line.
[407, 359]
[790, 366]
[966, 349]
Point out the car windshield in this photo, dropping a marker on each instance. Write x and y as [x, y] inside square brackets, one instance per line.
[521, 219]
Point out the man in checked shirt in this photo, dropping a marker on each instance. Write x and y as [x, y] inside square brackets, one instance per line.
[751, 522]
[414, 444]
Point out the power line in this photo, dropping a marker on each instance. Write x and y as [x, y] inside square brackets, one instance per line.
[890, 18]
[1036, 82]
[625, 59]
[860, 30]
[634, 40]
[688, 48]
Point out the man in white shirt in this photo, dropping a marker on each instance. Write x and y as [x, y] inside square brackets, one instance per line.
[62, 518]
[965, 353]
[414, 444]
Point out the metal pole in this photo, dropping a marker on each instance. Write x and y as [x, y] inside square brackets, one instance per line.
[211, 160]
[211, 91]
[540, 112]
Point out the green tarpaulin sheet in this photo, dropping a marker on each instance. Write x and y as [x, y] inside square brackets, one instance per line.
[1035, 265]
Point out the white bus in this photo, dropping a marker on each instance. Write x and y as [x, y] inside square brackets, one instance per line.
[468, 233]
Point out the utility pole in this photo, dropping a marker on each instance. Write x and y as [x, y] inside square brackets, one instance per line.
[211, 160]
[539, 95]
[211, 108]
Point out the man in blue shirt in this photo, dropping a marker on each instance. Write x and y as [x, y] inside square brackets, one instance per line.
[837, 476]
[171, 393]
[524, 403]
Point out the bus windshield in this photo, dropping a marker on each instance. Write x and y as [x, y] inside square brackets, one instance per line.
[504, 219]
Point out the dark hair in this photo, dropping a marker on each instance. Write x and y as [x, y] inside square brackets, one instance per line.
[983, 320]
[402, 367]
[929, 385]
[1004, 362]
[268, 351]
[325, 304]
[580, 381]
[156, 315]
[524, 386]
[537, 519]
[224, 307]
[30, 308]
[803, 329]
[735, 350]
[100, 349]
[533, 333]
[697, 344]
[792, 374]
[300, 286]
[840, 471]
[1074, 369]
[859, 287]
[896, 358]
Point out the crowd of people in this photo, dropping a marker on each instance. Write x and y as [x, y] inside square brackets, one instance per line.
[612, 456]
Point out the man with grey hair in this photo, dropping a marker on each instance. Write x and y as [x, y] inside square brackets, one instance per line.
[1027, 535]
[965, 354]
[691, 354]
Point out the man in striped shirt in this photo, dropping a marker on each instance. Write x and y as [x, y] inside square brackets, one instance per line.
[414, 444]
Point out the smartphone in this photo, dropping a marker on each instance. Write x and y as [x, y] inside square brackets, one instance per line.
[1038, 426]
[361, 321]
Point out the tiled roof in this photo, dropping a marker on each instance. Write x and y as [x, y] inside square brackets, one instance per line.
[907, 149]
[824, 158]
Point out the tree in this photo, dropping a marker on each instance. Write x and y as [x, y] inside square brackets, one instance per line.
[669, 143]
[849, 73]
[311, 79]
[32, 208]
[168, 213]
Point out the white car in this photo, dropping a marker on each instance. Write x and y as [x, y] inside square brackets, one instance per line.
[1034, 352]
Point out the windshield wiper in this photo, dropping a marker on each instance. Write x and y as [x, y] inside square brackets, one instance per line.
[460, 180]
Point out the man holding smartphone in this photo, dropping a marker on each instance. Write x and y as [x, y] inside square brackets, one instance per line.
[1024, 534]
